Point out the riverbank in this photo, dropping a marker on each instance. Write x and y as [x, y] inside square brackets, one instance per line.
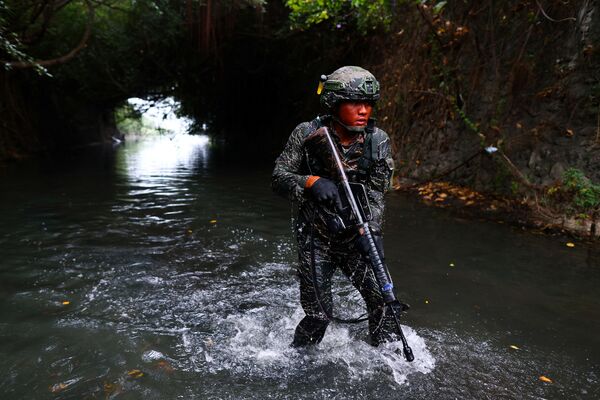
[468, 101]
[526, 213]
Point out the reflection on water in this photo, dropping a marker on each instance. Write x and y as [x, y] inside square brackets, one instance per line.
[167, 156]
[165, 277]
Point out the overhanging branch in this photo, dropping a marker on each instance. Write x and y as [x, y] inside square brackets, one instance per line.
[62, 59]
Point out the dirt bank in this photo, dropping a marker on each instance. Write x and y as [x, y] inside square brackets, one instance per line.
[521, 79]
[524, 214]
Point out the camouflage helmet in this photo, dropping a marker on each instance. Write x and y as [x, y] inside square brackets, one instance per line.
[348, 84]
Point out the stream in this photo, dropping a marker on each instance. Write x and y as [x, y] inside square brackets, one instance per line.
[155, 270]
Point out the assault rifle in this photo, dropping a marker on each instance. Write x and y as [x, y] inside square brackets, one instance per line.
[379, 268]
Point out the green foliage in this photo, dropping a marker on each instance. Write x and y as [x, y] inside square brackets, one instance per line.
[438, 6]
[585, 194]
[366, 14]
[11, 46]
[131, 122]
[466, 120]
[133, 48]
[515, 187]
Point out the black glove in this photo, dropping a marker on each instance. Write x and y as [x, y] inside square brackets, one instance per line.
[362, 245]
[326, 192]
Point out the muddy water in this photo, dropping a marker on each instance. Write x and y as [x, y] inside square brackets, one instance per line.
[155, 272]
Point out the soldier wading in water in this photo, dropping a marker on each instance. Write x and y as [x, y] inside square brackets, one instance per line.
[306, 174]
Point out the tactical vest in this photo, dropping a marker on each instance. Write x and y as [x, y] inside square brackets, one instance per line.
[373, 138]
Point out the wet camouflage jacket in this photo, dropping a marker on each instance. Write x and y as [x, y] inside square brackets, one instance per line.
[307, 153]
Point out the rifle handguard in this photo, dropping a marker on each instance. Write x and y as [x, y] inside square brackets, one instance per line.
[380, 270]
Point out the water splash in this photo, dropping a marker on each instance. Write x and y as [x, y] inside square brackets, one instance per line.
[251, 328]
[261, 346]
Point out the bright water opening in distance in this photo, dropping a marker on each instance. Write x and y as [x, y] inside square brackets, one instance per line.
[162, 114]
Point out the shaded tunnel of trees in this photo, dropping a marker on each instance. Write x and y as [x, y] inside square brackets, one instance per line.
[237, 64]
[518, 76]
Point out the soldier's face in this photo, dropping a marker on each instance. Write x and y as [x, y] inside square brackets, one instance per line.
[355, 113]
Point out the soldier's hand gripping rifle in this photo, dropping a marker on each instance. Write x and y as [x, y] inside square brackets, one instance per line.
[381, 272]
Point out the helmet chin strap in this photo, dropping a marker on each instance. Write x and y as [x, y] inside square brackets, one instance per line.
[350, 128]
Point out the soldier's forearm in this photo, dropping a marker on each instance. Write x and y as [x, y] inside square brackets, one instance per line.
[288, 184]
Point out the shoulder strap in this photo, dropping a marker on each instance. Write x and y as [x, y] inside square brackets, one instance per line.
[316, 123]
[373, 138]
[376, 139]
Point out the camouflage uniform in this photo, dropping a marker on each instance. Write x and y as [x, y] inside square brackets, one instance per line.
[367, 160]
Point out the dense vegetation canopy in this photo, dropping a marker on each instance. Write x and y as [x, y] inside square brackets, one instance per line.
[457, 78]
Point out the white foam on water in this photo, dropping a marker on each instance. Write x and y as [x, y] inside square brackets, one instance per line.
[261, 345]
[152, 355]
[257, 341]
[242, 322]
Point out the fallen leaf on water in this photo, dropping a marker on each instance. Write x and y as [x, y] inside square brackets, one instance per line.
[135, 373]
[545, 379]
[570, 244]
[66, 303]
[165, 366]
[512, 346]
[58, 387]
[213, 221]
[112, 388]
[189, 231]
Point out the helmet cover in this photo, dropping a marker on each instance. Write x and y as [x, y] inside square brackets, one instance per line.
[348, 83]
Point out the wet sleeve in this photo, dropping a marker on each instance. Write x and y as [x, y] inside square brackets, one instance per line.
[380, 181]
[287, 179]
